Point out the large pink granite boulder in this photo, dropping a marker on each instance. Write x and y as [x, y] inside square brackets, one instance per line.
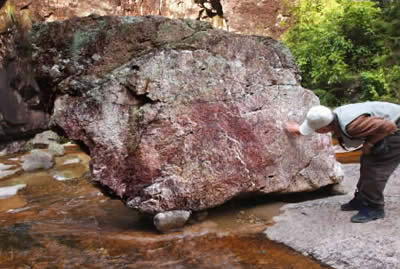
[178, 116]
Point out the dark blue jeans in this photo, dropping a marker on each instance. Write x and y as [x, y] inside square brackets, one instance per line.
[375, 171]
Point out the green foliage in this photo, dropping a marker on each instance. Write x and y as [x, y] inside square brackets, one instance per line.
[347, 51]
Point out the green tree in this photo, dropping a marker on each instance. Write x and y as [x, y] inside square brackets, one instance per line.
[342, 51]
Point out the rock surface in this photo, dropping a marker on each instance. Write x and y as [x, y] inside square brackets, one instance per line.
[37, 159]
[270, 18]
[23, 105]
[178, 116]
[12, 147]
[319, 229]
[56, 149]
[44, 139]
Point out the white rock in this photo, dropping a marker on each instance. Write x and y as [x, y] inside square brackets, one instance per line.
[56, 149]
[37, 159]
[6, 192]
[17, 210]
[44, 138]
[171, 220]
[72, 161]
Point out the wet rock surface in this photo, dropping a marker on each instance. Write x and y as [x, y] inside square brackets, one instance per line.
[319, 229]
[179, 116]
[70, 224]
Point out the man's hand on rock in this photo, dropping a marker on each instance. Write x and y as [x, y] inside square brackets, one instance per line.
[292, 128]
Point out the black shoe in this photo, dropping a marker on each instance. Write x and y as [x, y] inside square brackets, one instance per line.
[352, 205]
[367, 214]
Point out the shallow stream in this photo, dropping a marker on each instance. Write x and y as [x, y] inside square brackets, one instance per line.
[60, 220]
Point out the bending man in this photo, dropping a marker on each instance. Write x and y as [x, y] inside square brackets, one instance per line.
[374, 125]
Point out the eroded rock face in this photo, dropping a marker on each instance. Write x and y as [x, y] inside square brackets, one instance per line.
[269, 18]
[178, 116]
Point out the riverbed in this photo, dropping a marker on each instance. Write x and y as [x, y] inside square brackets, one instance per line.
[58, 219]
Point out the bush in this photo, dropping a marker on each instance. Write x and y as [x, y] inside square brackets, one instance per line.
[341, 48]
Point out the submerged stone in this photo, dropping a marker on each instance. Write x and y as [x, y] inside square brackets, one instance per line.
[171, 220]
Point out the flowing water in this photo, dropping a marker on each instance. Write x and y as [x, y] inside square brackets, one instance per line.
[59, 220]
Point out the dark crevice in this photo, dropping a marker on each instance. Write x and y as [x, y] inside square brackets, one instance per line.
[141, 98]
[106, 191]
[58, 130]
[209, 9]
[2, 3]
[144, 99]
[26, 6]
[135, 67]
[47, 97]
[257, 109]
[83, 146]
[61, 132]
[48, 15]
[13, 135]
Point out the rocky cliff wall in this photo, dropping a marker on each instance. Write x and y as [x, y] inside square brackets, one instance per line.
[269, 18]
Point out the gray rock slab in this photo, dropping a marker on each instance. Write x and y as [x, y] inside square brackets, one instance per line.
[45, 138]
[319, 229]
